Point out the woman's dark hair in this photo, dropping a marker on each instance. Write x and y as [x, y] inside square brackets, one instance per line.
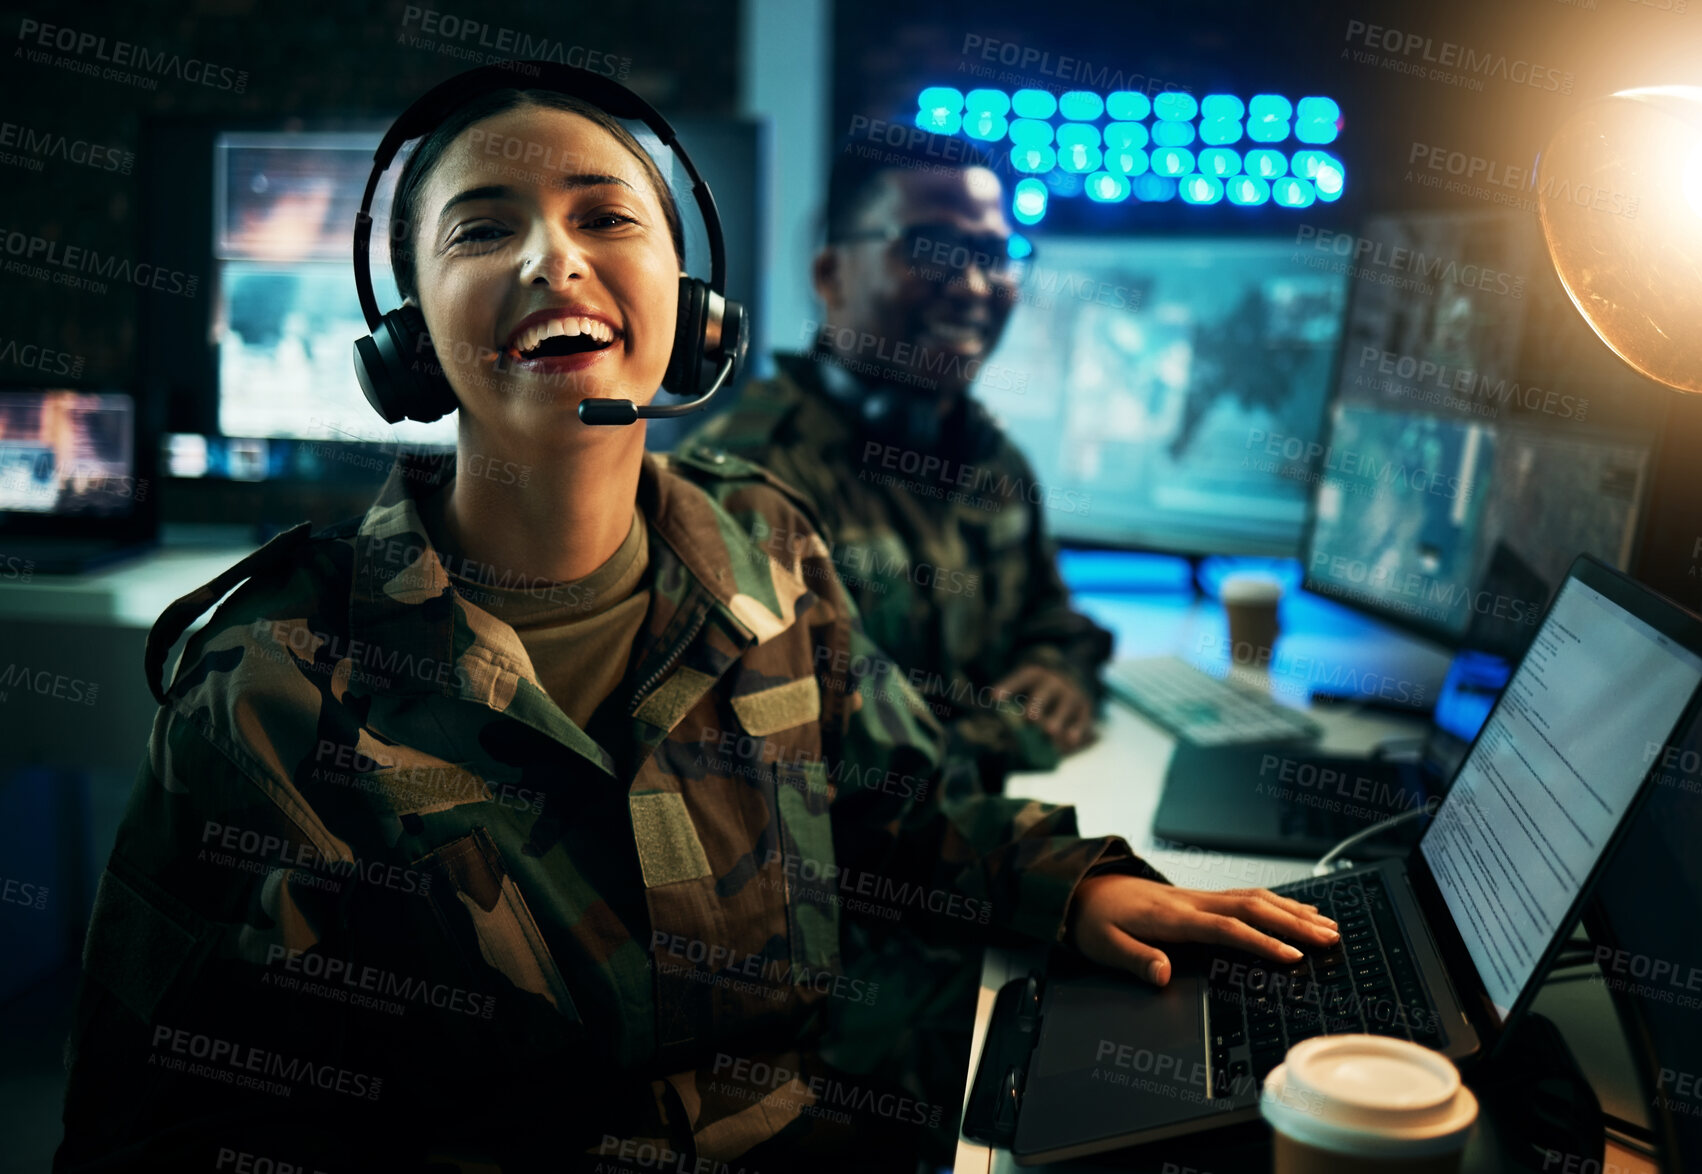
[430, 151]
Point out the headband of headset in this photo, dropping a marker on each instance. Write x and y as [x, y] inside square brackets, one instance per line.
[435, 107]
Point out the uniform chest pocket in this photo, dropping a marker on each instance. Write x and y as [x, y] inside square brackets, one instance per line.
[485, 917]
[812, 873]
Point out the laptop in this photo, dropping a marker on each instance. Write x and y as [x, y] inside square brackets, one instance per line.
[76, 489]
[1447, 947]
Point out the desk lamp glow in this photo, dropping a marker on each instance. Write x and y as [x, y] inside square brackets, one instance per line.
[1621, 206]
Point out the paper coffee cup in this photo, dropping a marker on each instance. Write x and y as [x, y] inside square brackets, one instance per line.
[1349, 1104]
[1250, 602]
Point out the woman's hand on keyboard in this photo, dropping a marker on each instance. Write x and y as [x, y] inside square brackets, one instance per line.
[1115, 920]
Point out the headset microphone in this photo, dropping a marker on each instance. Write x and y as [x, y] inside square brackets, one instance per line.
[710, 330]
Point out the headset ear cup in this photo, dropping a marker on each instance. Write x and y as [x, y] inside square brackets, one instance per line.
[685, 364]
[384, 377]
[694, 361]
[735, 337]
[432, 397]
[399, 372]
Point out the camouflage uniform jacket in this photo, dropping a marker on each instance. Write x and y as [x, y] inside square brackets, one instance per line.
[376, 898]
[945, 555]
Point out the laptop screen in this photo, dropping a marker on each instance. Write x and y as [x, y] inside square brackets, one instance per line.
[1550, 778]
[67, 453]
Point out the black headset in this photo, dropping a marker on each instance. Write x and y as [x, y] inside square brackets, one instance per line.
[397, 369]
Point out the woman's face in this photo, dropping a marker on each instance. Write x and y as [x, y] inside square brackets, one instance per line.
[545, 270]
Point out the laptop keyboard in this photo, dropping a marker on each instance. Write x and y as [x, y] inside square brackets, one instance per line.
[1367, 982]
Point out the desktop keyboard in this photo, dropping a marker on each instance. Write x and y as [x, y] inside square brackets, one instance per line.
[1367, 982]
[1201, 708]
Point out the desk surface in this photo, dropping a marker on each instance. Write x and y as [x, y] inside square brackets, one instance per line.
[1115, 786]
[129, 594]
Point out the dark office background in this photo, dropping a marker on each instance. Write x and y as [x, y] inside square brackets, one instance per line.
[322, 62]
[315, 60]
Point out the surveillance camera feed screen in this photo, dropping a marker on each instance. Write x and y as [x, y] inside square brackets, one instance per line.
[1172, 389]
[67, 453]
[1463, 527]
[1440, 503]
[1382, 543]
[288, 317]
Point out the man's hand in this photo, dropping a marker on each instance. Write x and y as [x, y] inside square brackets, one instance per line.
[1113, 919]
[1054, 702]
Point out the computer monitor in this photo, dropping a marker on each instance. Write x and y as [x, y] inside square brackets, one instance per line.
[75, 463]
[1463, 467]
[66, 453]
[286, 313]
[1168, 389]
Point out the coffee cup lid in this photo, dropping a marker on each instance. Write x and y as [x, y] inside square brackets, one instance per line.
[1249, 588]
[1369, 1096]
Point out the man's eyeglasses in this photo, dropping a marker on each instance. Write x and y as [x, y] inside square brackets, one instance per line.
[947, 252]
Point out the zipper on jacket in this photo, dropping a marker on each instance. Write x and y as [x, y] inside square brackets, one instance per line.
[673, 658]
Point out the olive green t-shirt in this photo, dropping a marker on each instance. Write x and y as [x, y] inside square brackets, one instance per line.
[579, 634]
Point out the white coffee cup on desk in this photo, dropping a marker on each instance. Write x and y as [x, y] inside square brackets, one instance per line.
[1358, 1104]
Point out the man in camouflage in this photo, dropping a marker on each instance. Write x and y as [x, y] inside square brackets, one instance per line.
[378, 902]
[935, 518]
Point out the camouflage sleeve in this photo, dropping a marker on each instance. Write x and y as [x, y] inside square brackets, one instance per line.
[1051, 633]
[166, 1025]
[963, 862]
[999, 742]
[224, 1008]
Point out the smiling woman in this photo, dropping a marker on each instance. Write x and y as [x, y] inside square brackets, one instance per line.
[636, 958]
[563, 280]
[476, 188]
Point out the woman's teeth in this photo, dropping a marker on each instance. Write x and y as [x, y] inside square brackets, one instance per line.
[533, 336]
